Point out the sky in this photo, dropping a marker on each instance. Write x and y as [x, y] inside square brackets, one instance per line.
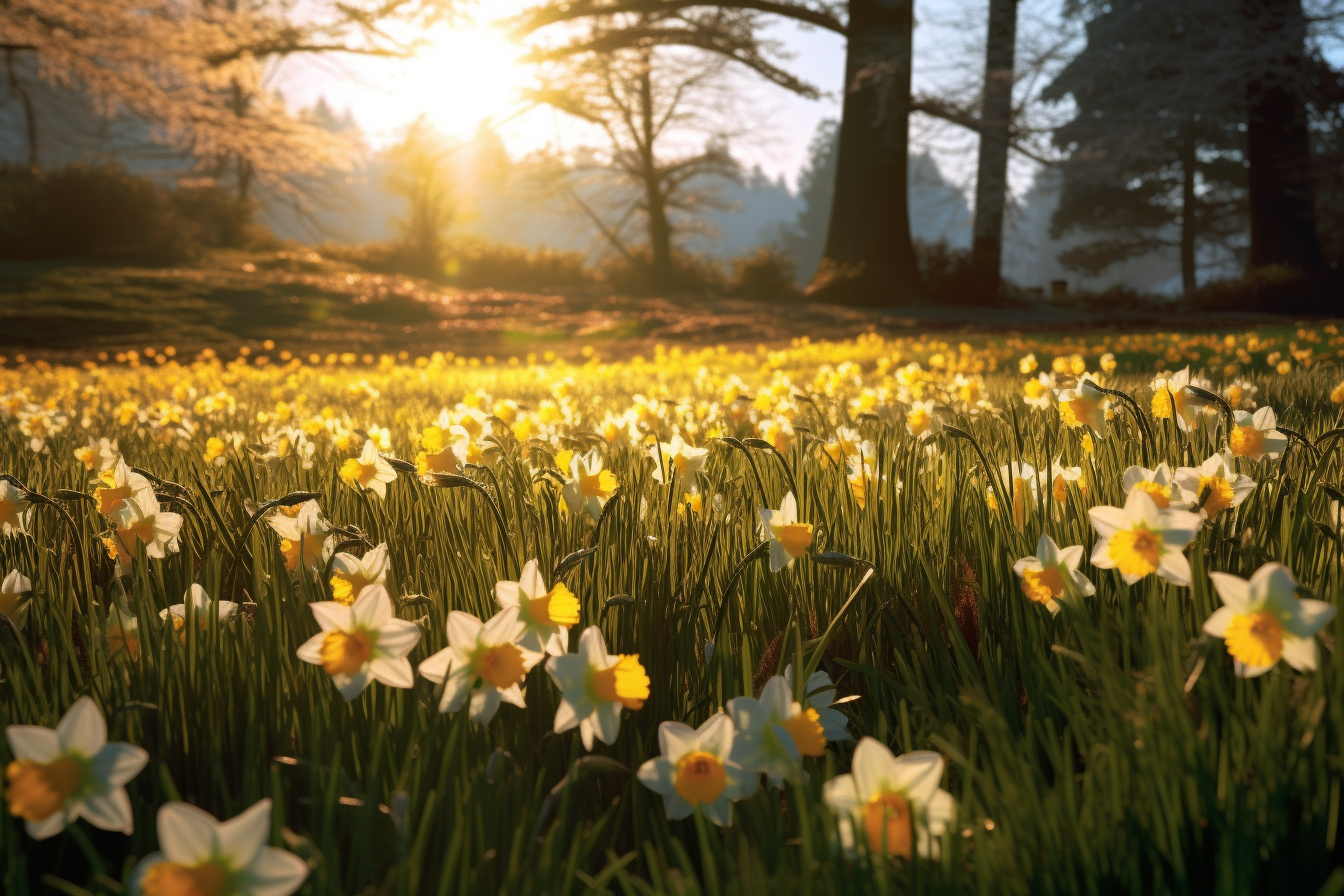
[469, 73]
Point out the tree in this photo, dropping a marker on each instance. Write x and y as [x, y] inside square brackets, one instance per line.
[648, 104]
[806, 238]
[991, 177]
[194, 70]
[1155, 147]
[419, 174]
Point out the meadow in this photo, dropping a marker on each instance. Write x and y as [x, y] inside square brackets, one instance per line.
[1057, 614]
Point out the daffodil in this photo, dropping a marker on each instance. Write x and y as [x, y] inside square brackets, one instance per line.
[1022, 482]
[589, 487]
[1159, 485]
[546, 613]
[862, 482]
[774, 731]
[305, 537]
[13, 603]
[1262, 620]
[1052, 573]
[1256, 435]
[895, 802]
[122, 633]
[1138, 539]
[98, 454]
[595, 686]
[1214, 486]
[922, 420]
[696, 771]
[362, 643]
[15, 510]
[819, 695]
[678, 457]
[350, 574]
[483, 660]
[368, 472]
[440, 453]
[119, 484]
[1039, 392]
[69, 773]
[788, 538]
[1172, 397]
[1085, 405]
[203, 608]
[202, 856]
[139, 519]
[1057, 479]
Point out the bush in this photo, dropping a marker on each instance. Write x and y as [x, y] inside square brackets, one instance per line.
[766, 274]
[475, 263]
[948, 279]
[102, 212]
[691, 274]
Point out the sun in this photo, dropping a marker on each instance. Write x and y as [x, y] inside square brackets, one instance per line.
[465, 75]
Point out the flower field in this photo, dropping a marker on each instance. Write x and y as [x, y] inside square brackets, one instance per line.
[1028, 615]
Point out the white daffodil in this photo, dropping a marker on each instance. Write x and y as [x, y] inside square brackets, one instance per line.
[678, 457]
[139, 519]
[1085, 405]
[201, 856]
[895, 801]
[848, 444]
[98, 455]
[69, 773]
[922, 420]
[350, 574]
[1138, 539]
[695, 770]
[119, 484]
[589, 487]
[1159, 485]
[483, 660]
[13, 603]
[1173, 397]
[15, 510]
[546, 614]
[1262, 620]
[788, 538]
[1052, 573]
[1257, 435]
[595, 686]
[774, 731]
[362, 643]
[819, 696]
[202, 606]
[862, 481]
[1039, 393]
[1058, 479]
[1213, 486]
[370, 471]
[305, 536]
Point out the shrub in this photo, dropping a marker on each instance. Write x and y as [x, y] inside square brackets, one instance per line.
[691, 274]
[766, 274]
[474, 263]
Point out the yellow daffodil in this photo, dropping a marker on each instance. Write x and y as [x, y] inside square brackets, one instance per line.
[1256, 435]
[1214, 486]
[361, 644]
[696, 771]
[1085, 405]
[485, 661]
[1262, 620]
[350, 575]
[595, 686]
[922, 420]
[140, 520]
[305, 537]
[1138, 539]
[545, 613]
[788, 538]
[774, 732]
[1159, 485]
[119, 484]
[202, 856]
[819, 696]
[589, 487]
[894, 802]
[1052, 573]
[71, 772]
[370, 471]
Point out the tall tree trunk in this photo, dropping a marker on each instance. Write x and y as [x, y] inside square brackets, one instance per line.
[1278, 144]
[660, 231]
[1189, 215]
[991, 178]
[869, 257]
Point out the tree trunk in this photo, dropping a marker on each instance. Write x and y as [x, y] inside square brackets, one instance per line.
[991, 179]
[26, 104]
[1189, 219]
[869, 257]
[660, 231]
[1278, 144]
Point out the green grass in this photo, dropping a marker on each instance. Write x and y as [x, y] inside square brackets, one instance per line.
[1109, 749]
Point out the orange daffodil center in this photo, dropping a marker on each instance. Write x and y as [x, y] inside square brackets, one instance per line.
[1043, 585]
[345, 653]
[805, 729]
[599, 485]
[795, 537]
[36, 791]
[1135, 552]
[700, 777]
[500, 665]
[622, 682]
[558, 606]
[1246, 441]
[1255, 638]
[887, 824]
[172, 879]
